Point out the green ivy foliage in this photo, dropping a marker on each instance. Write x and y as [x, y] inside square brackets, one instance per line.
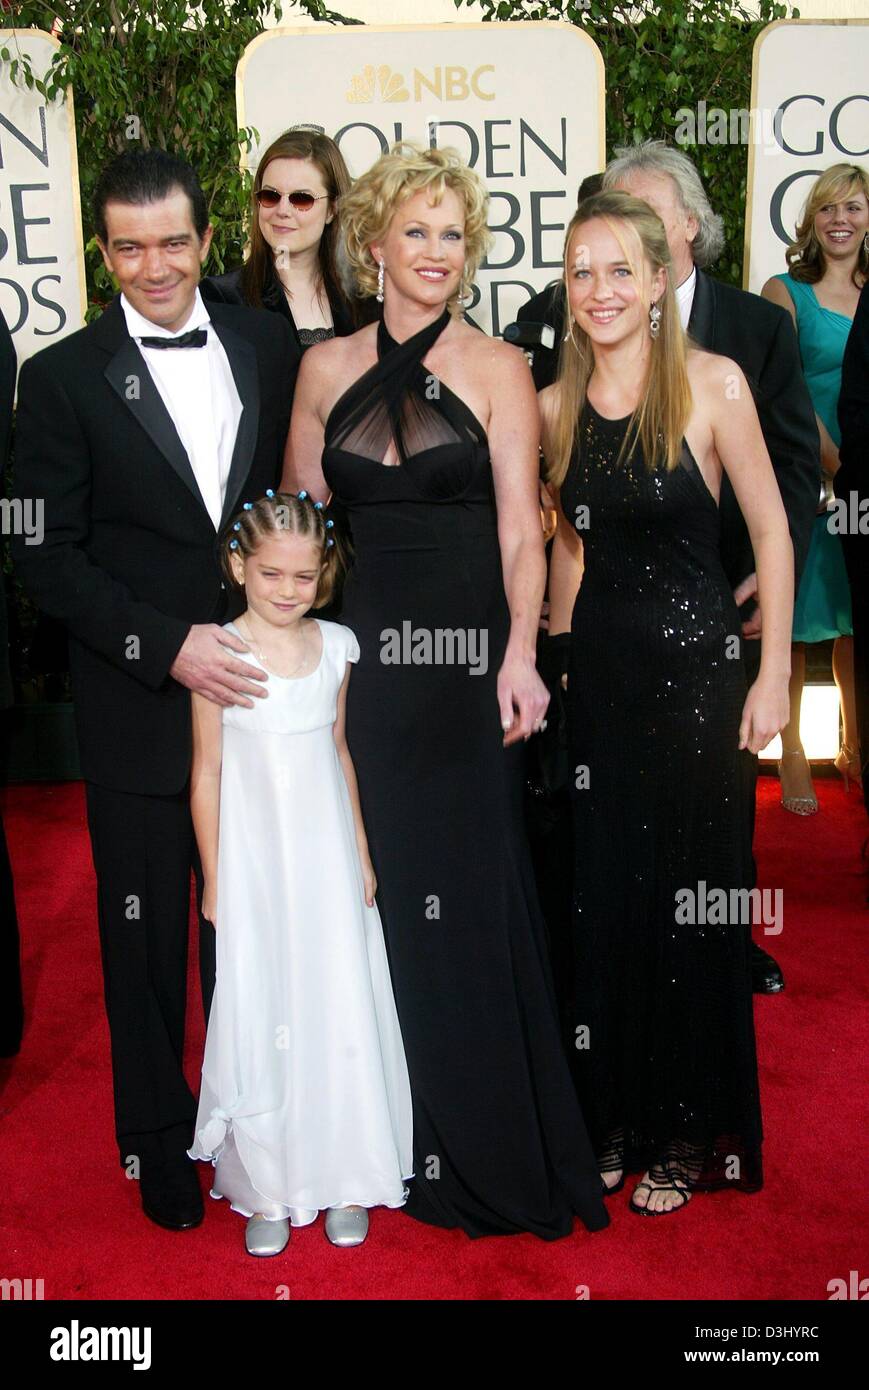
[662, 56]
[162, 72]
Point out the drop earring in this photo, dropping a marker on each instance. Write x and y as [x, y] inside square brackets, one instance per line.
[380, 282]
[654, 320]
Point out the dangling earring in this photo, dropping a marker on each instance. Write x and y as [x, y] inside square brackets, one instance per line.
[380, 282]
[569, 334]
[866, 241]
[466, 293]
[654, 320]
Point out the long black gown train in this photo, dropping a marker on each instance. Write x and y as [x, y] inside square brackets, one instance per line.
[499, 1141]
[667, 1072]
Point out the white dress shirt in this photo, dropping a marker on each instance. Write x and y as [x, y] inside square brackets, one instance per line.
[199, 392]
[685, 297]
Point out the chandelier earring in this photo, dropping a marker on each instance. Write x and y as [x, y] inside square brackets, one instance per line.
[655, 320]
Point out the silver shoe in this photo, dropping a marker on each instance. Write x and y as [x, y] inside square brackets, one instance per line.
[264, 1237]
[346, 1225]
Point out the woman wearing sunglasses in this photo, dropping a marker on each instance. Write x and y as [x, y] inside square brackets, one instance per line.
[292, 268]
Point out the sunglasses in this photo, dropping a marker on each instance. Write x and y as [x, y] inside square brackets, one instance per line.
[302, 202]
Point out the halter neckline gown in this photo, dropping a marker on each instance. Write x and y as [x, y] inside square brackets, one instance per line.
[499, 1141]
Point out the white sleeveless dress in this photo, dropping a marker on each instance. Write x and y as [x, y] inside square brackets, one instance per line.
[305, 1101]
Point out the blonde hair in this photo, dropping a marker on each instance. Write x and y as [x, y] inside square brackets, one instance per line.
[281, 513]
[805, 256]
[367, 210]
[659, 421]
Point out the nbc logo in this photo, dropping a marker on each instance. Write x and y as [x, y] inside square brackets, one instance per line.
[382, 81]
[449, 83]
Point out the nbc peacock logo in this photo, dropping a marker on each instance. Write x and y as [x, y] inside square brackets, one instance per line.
[379, 82]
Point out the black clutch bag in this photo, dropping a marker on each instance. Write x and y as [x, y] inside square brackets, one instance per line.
[547, 767]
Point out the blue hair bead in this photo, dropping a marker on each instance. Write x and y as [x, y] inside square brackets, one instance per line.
[269, 492]
[236, 526]
[330, 541]
[301, 496]
[233, 545]
[318, 506]
[248, 506]
[329, 523]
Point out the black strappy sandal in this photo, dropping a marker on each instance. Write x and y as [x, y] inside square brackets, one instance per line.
[684, 1192]
[616, 1187]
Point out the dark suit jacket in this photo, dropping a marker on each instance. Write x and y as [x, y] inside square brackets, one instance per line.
[7, 395]
[545, 307]
[760, 338]
[853, 475]
[130, 556]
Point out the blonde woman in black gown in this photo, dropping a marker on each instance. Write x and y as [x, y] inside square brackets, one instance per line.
[638, 429]
[427, 433]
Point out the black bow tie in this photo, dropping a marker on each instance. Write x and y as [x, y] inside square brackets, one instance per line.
[197, 337]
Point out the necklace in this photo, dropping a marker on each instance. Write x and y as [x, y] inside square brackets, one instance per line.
[259, 654]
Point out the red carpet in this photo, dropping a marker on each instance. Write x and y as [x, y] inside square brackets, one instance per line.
[71, 1218]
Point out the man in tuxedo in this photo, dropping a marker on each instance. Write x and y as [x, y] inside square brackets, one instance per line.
[11, 1000]
[758, 336]
[142, 435]
[852, 480]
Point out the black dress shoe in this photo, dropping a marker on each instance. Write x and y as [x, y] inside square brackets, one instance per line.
[171, 1195]
[766, 973]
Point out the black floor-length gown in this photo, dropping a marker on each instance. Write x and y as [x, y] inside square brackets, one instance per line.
[499, 1141]
[667, 1073]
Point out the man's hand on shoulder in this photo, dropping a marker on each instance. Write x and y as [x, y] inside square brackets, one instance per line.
[205, 664]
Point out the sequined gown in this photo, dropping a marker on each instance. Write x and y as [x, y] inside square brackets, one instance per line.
[499, 1141]
[667, 1071]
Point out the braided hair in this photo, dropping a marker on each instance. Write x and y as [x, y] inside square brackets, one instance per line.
[279, 513]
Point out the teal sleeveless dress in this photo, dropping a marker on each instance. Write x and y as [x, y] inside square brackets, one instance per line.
[823, 604]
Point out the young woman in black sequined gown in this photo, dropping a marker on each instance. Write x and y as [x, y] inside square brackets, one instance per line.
[637, 430]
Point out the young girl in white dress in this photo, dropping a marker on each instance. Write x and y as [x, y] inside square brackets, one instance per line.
[305, 1103]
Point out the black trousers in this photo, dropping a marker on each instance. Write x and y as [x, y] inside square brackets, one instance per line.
[856, 549]
[11, 1000]
[144, 850]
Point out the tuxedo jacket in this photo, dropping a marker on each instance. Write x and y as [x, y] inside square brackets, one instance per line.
[853, 474]
[760, 338]
[129, 559]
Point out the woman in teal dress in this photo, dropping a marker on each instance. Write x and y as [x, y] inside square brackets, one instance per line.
[828, 266]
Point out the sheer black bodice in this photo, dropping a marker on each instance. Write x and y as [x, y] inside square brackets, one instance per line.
[499, 1142]
[667, 1071]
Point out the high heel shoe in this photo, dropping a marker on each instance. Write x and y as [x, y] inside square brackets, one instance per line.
[616, 1187]
[799, 805]
[847, 761]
